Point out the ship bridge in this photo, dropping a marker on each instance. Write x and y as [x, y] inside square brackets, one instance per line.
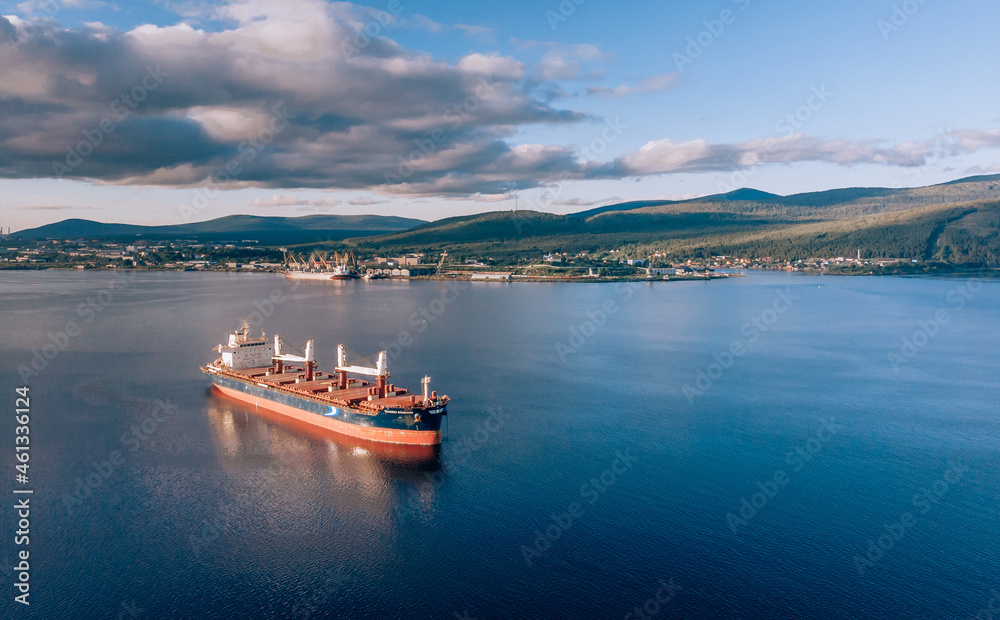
[244, 351]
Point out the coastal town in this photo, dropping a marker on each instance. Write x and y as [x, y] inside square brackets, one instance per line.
[248, 256]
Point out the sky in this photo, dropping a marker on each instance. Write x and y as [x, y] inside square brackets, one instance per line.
[181, 110]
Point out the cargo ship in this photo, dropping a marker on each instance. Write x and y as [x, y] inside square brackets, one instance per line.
[340, 272]
[340, 267]
[284, 379]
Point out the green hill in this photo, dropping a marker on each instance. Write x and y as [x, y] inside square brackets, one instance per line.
[955, 222]
[965, 233]
[265, 230]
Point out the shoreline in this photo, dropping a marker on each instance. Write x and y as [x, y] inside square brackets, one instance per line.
[957, 272]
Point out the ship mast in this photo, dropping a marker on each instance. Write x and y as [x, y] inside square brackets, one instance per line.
[307, 357]
[381, 369]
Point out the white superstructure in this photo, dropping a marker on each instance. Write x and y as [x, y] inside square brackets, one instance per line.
[242, 351]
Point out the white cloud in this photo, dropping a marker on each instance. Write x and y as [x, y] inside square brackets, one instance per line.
[364, 201]
[666, 156]
[994, 169]
[492, 197]
[279, 200]
[492, 65]
[581, 202]
[357, 105]
[49, 208]
[479, 32]
[229, 124]
[360, 110]
[653, 84]
[565, 63]
[426, 23]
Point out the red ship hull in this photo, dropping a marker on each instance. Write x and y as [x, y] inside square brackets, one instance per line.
[383, 435]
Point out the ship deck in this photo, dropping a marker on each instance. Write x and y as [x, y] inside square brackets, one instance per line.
[324, 388]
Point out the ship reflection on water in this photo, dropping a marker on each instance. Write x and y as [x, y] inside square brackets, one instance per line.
[339, 472]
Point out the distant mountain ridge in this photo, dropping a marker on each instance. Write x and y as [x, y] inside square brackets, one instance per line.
[829, 197]
[233, 227]
[956, 222]
[952, 222]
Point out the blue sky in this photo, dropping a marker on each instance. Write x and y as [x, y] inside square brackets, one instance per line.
[447, 106]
